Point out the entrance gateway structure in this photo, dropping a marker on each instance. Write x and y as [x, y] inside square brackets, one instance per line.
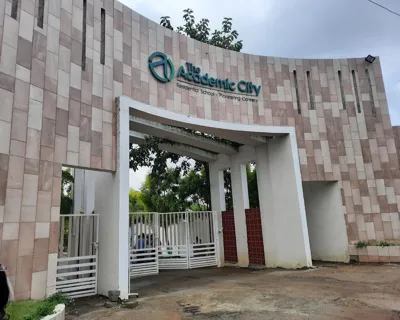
[77, 85]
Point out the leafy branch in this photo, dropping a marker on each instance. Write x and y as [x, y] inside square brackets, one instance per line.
[224, 38]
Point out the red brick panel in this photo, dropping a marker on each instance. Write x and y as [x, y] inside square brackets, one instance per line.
[255, 237]
[228, 225]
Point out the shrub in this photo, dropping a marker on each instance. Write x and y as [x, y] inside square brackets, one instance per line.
[384, 244]
[362, 244]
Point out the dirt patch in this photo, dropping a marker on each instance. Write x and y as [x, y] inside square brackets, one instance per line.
[330, 292]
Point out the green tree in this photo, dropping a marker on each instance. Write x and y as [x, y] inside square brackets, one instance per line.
[135, 201]
[224, 38]
[251, 185]
[67, 181]
[162, 195]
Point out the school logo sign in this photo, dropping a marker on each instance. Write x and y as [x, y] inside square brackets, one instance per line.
[167, 67]
[162, 68]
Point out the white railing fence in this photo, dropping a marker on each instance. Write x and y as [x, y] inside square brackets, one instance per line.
[78, 255]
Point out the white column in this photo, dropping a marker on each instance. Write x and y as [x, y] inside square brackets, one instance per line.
[218, 205]
[240, 199]
[217, 189]
[284, 224]
[112, 204]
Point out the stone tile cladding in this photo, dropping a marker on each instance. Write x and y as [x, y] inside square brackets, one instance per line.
[54, 113]
[255, 241]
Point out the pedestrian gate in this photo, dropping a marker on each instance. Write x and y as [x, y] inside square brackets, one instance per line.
[78, 255]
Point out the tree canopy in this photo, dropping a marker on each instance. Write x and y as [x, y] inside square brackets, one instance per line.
[199, 30]
[174, 192]
[135, 201]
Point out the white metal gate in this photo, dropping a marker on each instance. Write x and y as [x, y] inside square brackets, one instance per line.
[172, 240]
[173, 231]
[78, 255]
[187, 240]
[143, 248]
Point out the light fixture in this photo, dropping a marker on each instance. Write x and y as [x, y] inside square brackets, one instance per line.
[370, 59]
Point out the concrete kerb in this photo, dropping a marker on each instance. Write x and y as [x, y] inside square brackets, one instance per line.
[59, 313]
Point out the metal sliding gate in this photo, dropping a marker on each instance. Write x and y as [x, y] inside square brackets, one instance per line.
[78, 255]
[173, 240]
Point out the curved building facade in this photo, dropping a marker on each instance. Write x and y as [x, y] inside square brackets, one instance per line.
[63, 64]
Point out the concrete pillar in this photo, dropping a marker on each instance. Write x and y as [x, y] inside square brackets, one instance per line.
[218, 205]
[240, 203]
[112, 205]
[284, 224]
[217, 189]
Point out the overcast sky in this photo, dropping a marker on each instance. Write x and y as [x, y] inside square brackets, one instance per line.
[299, 29]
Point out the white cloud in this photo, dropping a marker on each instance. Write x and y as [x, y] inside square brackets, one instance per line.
[136, 178]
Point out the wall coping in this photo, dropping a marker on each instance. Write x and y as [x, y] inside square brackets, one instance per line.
[59, 313]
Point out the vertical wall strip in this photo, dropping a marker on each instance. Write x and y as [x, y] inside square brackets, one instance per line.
[103, 37]
[40, 14]
[353, 73]
[84, 35]
[297, 92]
[312, 106]
[342, 89]
[371, 94]
[14, 9]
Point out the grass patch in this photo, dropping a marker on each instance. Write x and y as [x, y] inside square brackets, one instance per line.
[36, 310]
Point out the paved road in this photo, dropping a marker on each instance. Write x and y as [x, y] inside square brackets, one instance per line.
[331, 292]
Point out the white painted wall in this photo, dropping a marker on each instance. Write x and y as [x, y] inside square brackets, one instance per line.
[284, 225]
[325, 220]
[106, 200]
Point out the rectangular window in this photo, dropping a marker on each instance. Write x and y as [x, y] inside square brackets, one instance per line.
[312, 106]
[40, 14]
[84, 35]
[353, 73]
[297, 92]
[103, 37]
[14, 9]
[342, 90]
[371, 94]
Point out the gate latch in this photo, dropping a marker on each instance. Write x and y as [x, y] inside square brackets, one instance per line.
[95, 245]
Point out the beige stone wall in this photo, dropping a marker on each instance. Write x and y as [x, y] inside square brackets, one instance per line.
[55, 114]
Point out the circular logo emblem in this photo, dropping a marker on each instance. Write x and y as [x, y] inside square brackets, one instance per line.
[167, 69]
